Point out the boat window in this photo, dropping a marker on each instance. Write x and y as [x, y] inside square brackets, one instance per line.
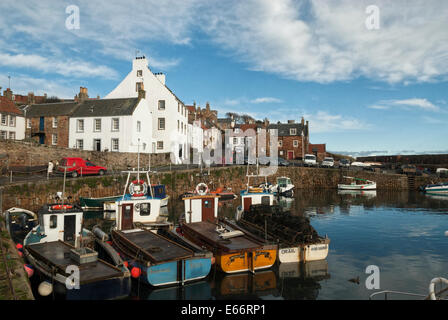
[127, 211]
[145, 209]
[207, 204]
[53, 221]
[265, 200]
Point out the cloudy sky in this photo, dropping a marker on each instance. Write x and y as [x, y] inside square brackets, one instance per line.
[362, 89]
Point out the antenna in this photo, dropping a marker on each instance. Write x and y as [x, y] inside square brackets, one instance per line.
[9, 79]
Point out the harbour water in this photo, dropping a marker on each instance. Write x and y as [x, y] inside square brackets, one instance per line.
[401, 233]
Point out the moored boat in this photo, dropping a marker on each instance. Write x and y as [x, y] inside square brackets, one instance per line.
[438, 188]
[61, 252]
[96, 203]
[283, 188]
[363, 185]
[234, 249]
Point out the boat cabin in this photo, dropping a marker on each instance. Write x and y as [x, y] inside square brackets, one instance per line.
[284, 182]
[59, 222]
[253, 196]
[201, 206]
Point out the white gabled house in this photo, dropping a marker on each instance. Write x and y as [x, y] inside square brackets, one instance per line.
[12, 121]
[116, 125]
[168, 112]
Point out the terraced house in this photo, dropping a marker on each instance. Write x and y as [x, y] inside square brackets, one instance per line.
[12, 121]
[293, 139]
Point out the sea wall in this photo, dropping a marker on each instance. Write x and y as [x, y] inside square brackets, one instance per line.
[33, 195]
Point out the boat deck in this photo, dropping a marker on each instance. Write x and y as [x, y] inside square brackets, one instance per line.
[207, 232]
[154, 247]
[57, 253]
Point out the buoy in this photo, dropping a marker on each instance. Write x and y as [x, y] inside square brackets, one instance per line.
[45, 288]
[136, 272]
[19, 246]
[29, 270]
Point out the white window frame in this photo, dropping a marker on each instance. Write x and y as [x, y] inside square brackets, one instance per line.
[3, 135]
[55, 122]
[79, 145]
[95, 129]
[158, 124]
[280, 143]
[295, 143]
[117, 141]
[139, 126]
[78, 127]
[28, 123]
[113, 122]
[292, 131]
[139, 73]
[158, 145]
[12, 121]
[12, 135]
[54, 139]
[160, 104]
[4, 119]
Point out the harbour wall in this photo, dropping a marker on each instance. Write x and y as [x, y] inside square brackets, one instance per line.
[34, 194]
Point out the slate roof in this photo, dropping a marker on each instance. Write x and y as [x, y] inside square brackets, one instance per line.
[50, 109]
[283, 128]
[106, 108]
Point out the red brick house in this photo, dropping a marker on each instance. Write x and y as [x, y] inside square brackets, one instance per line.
[293, 139]
[319, 150]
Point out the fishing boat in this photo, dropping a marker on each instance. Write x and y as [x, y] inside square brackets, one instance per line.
[58, 247]
[283, 188]
[19, 222]
[235, 249]
[254, 195]
[439, 188]
[90, 204]
[138, 236]
[364, 185]
[298, 240]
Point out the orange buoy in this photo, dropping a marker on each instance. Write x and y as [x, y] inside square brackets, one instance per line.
[19, 246]
[126, 264]
[136, 272]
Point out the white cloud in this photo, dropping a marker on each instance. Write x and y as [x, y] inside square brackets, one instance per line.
[378, 107]
[266, 100]
[22, 84]
[322, 121]
[415, 103]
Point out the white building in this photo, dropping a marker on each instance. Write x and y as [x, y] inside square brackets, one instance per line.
[116, 125]
[12, 121]
[169, 114]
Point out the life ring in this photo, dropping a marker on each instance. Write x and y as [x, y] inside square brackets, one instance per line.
[60, 207]
[138, 188]
[198, 189]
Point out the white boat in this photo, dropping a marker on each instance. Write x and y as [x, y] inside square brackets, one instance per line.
[367, 185]
[284, 187]
[439, 188]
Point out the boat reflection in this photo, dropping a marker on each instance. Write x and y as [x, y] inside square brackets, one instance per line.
[193, 291]
[442, 197]
[356, 193]
[246, 284]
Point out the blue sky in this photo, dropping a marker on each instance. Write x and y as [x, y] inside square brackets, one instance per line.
[375, 91]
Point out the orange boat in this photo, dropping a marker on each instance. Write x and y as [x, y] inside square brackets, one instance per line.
[235, 249]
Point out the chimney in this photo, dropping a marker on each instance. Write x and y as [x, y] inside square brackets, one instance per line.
[161, 77]
[31, 99]
[266, 122]
[302, 122]
[291, 121]
[82, 95]
[8, 94]
[207, 106]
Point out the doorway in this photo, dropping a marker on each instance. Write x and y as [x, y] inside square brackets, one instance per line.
[127, 216]
[208, 209]
[97, 144]
[69, 228]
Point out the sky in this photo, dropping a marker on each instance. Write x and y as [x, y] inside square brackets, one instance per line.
[369, 81]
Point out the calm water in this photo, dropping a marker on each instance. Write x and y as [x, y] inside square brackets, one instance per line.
[401, 233]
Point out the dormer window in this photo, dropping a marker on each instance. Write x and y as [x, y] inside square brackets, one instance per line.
[293, 131]
[139, 73]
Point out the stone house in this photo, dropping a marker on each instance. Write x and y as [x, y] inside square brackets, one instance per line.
[293, 139]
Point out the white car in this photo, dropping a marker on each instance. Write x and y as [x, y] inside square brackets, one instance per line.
[309, 160]
[328, 162]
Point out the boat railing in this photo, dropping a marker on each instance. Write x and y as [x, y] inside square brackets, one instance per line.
[387, 293]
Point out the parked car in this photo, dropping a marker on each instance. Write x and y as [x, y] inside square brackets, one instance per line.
[309, 160]
[79, 166]
[328, 162]
[281, 162]
[344, 163]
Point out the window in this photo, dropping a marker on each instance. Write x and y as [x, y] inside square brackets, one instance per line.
[28, 123]
[208, 204]
[139, 126]
[161, 104]
[53, 221]
[97, 125]
[265, 200]
[185, 128]
[145, 209]
[115, 145]
[178, 107]
[80, 126]
[55, 122]
[159, 145]
[80, 144]
[161, 124]
[12, 121]
[12, 135]
[3, 135]
[139, 73]
[138, 86]
[280, 143]
[182, 127]
[237, 130]
[235, 140]
[54, 139]
[293, 131]
[281, 152]
[295, 143]
[115, 124]
[4, 119]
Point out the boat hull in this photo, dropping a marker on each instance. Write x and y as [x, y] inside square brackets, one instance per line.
[437, 189]
[252, 261]
[357, 186]
[304, 253]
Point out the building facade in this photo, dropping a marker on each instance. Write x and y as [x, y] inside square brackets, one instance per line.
[293, 139]
[12, 121]
[168, 112]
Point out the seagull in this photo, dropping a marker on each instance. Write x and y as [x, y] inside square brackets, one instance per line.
[354, 280]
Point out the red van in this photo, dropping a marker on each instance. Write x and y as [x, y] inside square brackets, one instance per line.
[79, 166]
